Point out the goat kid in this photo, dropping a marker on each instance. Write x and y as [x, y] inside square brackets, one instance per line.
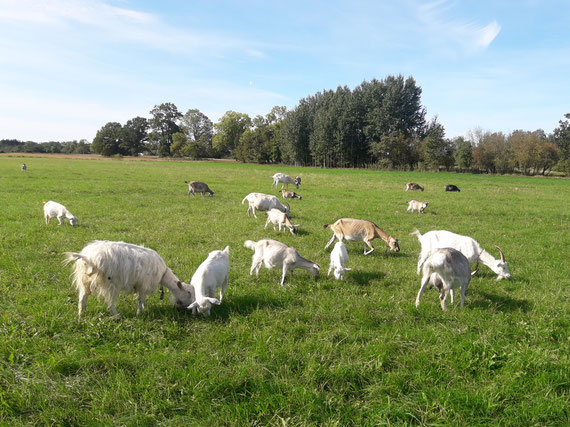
[287, 194]
[57, 210]
[198, 187]
[285, 180]
[412, 186]
[414, 205]
[274, 254]
[339, 257]
[106, 269]
[360, 230]
[278, 218]
[264, 202]
[210, 276]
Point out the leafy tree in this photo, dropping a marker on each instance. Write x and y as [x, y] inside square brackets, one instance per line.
[108, 139]
[229, 130]
[179, 141]
[493, 153]
[134, 136]
[199, 129]
[463, 153]
[561, 137]
[436, 149]
[83, 147]
[163, 124]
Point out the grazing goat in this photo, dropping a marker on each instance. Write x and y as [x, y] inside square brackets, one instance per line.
[360, 230]
[24, 167]
[274, 254]
[276, 217]
[451, 187]
[339, 257]
[264, 202]
[414, 205]
[285, 180]
[287, 194]
[210, 276]
[412, 186]
[446, 269]
[469, 247]
[108, 268]
[57, 210]
[198, 187]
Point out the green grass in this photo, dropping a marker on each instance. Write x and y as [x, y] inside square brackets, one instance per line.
[311, 353]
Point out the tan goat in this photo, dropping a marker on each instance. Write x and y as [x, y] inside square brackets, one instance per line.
[288, 194]
[359, 229]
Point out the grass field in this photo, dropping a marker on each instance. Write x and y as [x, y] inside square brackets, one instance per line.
[311, 353]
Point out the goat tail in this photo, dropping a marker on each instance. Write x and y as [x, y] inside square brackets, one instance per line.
[72, 257]
[416, 233]
[250, 244]
[244, 199]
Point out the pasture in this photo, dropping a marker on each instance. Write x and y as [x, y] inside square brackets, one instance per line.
[310, 353]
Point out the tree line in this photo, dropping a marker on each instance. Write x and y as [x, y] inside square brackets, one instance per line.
[379, 123]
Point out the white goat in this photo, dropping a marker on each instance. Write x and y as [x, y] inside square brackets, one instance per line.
[278, 218]
[446, 269]
[360, 230]
[108, 268]
[339, 257]
[57, 210]
[414, 205]
[469, 247]
[210, 276]
[285, 180]
[198, 187]
[274, 254]
[264, 202]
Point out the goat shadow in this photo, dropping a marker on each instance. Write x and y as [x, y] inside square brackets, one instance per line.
[363, 278]
[503, 303]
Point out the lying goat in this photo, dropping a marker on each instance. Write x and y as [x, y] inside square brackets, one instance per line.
[287, 194]
[451, 187]
[274, 254]
[285, 180]
[210, 276]
[107, 268]
[265, 202]
[360, 230]
[469, 247]
[198, 187]
[339, 257]
[278, 218]
[57, 210]
[446, 269]
[414, 205]
[412, 186]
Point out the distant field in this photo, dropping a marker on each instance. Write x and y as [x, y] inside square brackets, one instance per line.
[313, 352]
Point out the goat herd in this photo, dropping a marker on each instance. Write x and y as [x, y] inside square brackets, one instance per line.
[107, 268]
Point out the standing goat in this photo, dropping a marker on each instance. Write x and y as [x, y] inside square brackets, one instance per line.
[264, 202]
[287, 194]
[274, 254]
[276, 217]
[360, 230]
[108, 268]
[198, 187]
[210, 276]
[414, 205]
[57, 210]
[469, 247]
[285, 180]
[339, 257]
[412, 186]
[446, 269]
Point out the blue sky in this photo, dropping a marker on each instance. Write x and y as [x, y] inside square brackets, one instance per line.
[67, 67]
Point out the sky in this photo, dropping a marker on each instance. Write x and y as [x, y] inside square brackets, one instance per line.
[68, 67]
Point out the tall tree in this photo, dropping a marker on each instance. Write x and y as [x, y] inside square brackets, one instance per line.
[134, 136]
[199, 129]
[229, 130]
[163, 123]
[436, 149]
[463, 153]
[561, 137]
[108, 139]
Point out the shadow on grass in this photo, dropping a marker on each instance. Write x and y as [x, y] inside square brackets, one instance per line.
[363, 278]
[501, 302]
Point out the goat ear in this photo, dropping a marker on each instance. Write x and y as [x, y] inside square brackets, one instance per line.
[179, 284]
[193, 305]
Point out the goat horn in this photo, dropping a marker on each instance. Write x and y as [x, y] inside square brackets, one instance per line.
[502, 254]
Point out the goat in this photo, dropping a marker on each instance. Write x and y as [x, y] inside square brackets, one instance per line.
[287, 194]
[108, 268]
[339, 257]
[210, 276]
[276, 217]
[412, 186]
[451, 187]
[359, 229]
[264, 202]
[285, 180]
[24, 167]
[198, 187]
[446, 269]
[414, 205]
[57, 210]
[469, 247]
[274, 254]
